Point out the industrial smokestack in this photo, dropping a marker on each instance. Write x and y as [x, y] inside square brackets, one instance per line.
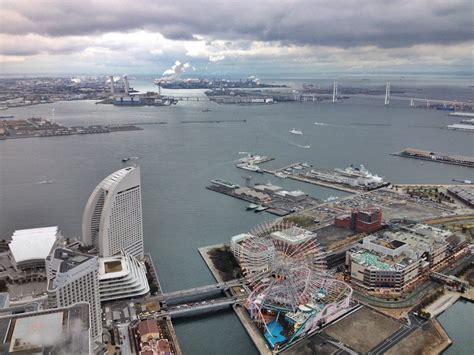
[126, 86]
[112, 88]
[387, 93]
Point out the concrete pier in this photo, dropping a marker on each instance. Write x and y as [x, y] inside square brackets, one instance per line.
[241, 313]
[325, 184]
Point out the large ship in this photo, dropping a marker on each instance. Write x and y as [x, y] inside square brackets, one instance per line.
[249, 167]
[365, 177]
[253, 158]
[224, 183]
[351, 171]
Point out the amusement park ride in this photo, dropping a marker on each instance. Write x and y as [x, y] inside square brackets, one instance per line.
[292, 294]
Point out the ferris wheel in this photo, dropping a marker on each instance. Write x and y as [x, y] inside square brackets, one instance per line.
[286, 270]
[283, 263]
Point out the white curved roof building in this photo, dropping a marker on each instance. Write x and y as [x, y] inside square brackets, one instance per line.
[30, 247]
[112, 220]
[122, 276]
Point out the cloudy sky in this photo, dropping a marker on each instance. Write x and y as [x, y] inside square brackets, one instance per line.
[263, 37]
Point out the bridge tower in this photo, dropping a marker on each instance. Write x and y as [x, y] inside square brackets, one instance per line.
[412, 103]
[387, 93]
[334, 92]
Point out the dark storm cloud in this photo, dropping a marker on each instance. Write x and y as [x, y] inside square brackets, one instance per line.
[386, 24]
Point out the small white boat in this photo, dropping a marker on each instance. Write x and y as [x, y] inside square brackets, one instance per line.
[260, 209]
[296, 131]
[305, 165]
[251, 207]
[298, 167]
[45, 182]
[280, 175]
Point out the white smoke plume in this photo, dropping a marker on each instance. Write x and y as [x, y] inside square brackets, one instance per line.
[175, 71]
[116, 79]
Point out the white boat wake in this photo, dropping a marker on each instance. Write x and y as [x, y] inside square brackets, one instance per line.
[327, 124]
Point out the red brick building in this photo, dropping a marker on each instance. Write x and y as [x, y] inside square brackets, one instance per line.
[362, 221]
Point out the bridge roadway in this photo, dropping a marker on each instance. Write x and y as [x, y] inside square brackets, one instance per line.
[196, 291]
[416, 99]
[193, 308]
[187, 98]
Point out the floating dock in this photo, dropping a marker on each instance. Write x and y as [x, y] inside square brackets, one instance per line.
[461, 160]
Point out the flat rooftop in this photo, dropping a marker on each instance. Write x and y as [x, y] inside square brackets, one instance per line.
[112, 266]
[368, 258]
[29, 333]
[293, 235]
[62, 330]
[115, 266]
[416, 241]
[70, 259]
[268, 187]
[378, 261]
[463, 192]
[388, 243]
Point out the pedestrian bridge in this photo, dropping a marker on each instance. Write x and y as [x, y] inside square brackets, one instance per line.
[449, 280]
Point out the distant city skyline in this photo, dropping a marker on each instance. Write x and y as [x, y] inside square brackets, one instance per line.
[263, 38]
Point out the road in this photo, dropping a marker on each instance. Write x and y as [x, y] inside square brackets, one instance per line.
[125, 346]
